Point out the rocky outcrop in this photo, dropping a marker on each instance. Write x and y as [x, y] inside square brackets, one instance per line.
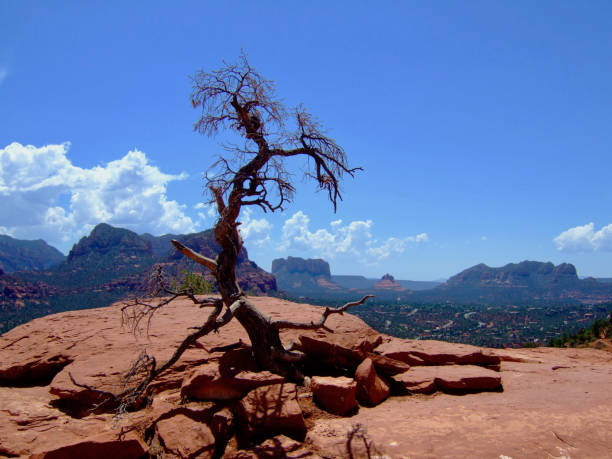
[56, 420]
[299, 276]
[280, 446]
[387, 282]
[38, 371]
[220, 380]
[295, 265]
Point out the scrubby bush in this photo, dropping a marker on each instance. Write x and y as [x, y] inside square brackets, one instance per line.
[598, 329]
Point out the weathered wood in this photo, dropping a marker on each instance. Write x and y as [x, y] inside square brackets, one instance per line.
[195, 256]
[238, 98]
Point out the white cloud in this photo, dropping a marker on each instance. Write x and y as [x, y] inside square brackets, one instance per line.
[585, 239]
[354, 239]
[206, 211]
[254, 232]
[3, 74]
[45, 195]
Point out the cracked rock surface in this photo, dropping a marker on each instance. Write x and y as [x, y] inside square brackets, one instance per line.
[517, 403]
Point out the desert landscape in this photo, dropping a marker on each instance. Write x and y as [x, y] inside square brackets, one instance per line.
[431, 399]
[322, 230]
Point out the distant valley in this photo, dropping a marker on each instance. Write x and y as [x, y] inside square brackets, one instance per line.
[528, 282]
[520, 304]
[517, 303]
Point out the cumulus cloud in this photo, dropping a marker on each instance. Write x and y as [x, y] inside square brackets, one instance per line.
[354, 239]
[45, 195]
[585, 239]
[254, 232]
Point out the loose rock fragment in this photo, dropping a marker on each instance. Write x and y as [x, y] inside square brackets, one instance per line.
[371, 388]
[336, 395]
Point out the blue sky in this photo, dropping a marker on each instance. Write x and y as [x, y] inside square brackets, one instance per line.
[483, 127]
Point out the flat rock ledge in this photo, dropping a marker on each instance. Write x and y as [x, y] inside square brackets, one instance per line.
[449, 378]
[216, 404]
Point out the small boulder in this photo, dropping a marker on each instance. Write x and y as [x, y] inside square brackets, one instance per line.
[183, 437]
[271, 410]
[371, 388]
[336, 395]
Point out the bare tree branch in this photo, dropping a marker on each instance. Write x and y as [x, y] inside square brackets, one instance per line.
[286, 324]
[132, 396]
[195, 256]
[238, 98]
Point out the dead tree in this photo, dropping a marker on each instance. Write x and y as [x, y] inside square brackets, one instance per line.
[238, 99]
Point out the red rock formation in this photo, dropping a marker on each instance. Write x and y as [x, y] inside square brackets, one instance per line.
[102, 446]
[371, 388]
[453, 378]
[554, 401]
[271, 410]
[207, 382]
[387, 282]
[336, 395]
[183, 437]
[430, 352]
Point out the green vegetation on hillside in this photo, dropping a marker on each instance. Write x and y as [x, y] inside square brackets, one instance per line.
[194, 282]
[481, 325]
[600, 328]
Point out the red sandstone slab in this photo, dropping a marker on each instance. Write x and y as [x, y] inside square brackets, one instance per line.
[459, 378]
